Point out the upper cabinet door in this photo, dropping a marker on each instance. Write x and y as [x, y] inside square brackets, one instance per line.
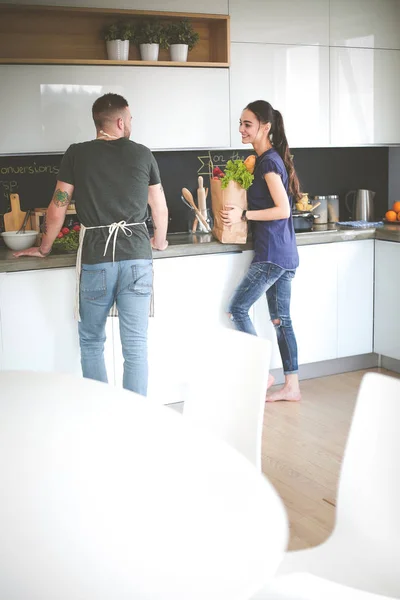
[47, 108]
[280, 21]
[365, 96]
[294, 79]
[206, 6]
[365, 23]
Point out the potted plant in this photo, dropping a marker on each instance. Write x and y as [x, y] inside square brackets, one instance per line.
[181, 38]
[150, 36]
[117, 36]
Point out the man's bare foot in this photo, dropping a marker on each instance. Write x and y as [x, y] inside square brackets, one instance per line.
[271, 381]
[284, 393]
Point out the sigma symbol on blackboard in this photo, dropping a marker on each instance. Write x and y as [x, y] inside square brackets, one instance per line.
[216, 159]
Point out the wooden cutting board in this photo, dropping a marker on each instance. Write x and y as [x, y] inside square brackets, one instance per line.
[14, 219]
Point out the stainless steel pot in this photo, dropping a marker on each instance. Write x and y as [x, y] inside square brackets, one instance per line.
[303, 221]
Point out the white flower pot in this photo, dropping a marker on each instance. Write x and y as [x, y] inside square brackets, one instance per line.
[178, 52]
[149, 51]
[118, 49]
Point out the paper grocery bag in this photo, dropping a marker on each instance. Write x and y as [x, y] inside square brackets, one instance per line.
[232, 194]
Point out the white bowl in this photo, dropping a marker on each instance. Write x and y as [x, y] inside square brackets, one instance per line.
[19, 241]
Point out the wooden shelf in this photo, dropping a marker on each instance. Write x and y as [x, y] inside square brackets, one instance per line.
[120, 63]
[61, 35]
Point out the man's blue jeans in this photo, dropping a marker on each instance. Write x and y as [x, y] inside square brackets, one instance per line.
[261, 278]
[129, 283]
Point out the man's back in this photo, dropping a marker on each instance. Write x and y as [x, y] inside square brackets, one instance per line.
[111, 180]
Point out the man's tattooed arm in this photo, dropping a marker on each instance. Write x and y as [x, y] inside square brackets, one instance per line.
[61, 198]
[44, 224]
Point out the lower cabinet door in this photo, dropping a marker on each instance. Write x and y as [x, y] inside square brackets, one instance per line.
[191, 295]
[355, 297]
[387, 295]
[313, 307]
[38, 328]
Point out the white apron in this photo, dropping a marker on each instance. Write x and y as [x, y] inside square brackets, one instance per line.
[113, 231]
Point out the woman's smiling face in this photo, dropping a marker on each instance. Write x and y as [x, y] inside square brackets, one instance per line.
[251, 129]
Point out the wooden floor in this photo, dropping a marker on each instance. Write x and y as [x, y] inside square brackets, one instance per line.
[303, 445]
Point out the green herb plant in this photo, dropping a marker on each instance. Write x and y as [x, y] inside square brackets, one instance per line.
[181, 32]
[150, 31]
[68, 242]
[235, 170]
[111, 33]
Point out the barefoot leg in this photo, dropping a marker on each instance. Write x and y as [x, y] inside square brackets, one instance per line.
[289, 392]
[271, 381]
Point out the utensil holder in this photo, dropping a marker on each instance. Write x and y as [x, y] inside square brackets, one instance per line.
[195, 226]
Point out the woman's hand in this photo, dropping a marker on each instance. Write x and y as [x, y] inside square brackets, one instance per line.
[231, 215]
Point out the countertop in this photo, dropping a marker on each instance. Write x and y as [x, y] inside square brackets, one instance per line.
[187, 244]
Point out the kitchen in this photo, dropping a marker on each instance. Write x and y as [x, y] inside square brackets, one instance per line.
[332, 71]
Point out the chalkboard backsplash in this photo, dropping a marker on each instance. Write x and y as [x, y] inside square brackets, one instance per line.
[321, 171]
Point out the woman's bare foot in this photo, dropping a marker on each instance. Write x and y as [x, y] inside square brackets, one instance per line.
[271, 381]
[285, 393]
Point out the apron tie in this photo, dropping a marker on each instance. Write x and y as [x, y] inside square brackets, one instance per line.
[113, 230]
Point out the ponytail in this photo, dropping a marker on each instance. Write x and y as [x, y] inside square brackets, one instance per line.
[266, 114]
[281, 145]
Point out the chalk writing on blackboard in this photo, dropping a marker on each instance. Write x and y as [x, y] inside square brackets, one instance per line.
[32, 169]
[217, 159]
[32, 177]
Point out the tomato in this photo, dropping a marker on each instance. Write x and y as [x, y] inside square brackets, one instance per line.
[65, 230]
[76, 228]
[60, 235]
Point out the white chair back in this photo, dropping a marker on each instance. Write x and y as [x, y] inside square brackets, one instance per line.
[369, 484]
[227, 396]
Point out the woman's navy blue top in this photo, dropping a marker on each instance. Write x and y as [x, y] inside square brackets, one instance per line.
[274, 241]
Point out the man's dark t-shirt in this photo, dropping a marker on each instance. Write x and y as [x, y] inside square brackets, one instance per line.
[111, 182]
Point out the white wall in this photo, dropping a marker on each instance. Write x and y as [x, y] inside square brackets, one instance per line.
[299, 55]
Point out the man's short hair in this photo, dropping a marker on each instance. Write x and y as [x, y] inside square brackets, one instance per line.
[108, 107]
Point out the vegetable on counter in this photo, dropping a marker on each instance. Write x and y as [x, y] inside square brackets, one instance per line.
[68, 239]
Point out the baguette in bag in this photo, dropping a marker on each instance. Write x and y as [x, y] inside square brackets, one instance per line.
[232, 194]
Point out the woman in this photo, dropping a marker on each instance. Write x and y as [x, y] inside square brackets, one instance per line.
[274, 188]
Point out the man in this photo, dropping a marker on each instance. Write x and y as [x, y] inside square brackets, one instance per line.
[111, 180]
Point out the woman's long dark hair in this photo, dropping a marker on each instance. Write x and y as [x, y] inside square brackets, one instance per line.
[266, 114]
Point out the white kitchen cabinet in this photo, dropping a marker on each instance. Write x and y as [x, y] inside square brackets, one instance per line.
[206, 6]
[283, 22]
[294, 79]
[365, 23]
[190, 298]
[365, 96]
[171, 107]
[38, 329]
[387, 296]
[2, 277]
[314, 306]
[355, 297]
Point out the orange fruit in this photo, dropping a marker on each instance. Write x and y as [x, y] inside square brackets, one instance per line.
[391, 215]
[396, 206]
[398, 216]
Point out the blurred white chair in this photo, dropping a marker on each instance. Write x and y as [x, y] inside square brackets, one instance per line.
[363, 551]
[304, 586]
[227, 389]
[107, 495]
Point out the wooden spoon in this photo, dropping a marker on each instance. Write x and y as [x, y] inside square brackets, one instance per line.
[189, 199]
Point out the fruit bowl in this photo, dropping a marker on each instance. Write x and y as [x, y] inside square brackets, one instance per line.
[19, 241]
[388, 222]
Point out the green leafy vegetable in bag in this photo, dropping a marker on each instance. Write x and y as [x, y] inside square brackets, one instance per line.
[236, 171]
